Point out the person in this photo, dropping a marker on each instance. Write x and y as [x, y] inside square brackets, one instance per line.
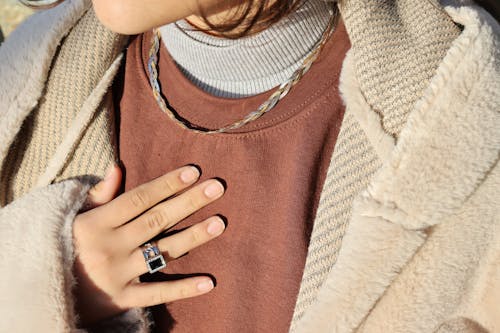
[252, 166]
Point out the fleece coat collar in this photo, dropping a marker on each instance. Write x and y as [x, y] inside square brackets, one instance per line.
[426, 176]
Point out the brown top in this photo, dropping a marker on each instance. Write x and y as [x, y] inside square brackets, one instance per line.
[274, 168]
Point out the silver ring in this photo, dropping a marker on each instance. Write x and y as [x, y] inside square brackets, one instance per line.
[153, 257]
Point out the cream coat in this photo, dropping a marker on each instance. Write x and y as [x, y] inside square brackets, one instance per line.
[421, 250]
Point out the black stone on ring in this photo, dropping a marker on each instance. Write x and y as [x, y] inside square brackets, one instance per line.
[153, 257]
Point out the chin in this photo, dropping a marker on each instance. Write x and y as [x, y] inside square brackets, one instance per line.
[130, 17]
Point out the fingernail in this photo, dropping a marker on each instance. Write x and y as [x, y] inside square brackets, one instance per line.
[189, 175]
[214, 189]
[216, 227]
[205, 285]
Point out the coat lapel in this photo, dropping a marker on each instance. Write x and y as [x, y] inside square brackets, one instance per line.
[392, 69]
[444, 152]
[37, 48]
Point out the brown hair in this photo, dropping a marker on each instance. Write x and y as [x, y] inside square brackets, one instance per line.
[252, 16]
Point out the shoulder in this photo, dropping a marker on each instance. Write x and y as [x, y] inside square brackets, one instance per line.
[45, 27]
[40, 33]
[26, 55]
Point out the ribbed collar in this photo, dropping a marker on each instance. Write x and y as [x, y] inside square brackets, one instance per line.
[249, 65]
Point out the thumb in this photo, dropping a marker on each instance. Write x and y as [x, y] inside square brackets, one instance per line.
[105, 190]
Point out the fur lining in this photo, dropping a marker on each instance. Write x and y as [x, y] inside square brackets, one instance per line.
[38, 229]
[372, 254]
[451, 140]
[37, 271]
[445, 152]
[68, 253]
[133, 321]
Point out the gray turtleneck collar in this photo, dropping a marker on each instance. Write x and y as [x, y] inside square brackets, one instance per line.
[249, 65]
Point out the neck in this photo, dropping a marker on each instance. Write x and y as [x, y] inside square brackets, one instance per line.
[219, 15]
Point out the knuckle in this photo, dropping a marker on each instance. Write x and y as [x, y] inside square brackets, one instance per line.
[139, 198]
[196, 236]
[155, 220]
[192, 202]
[160, 297]
[168, 185]
[184, 292]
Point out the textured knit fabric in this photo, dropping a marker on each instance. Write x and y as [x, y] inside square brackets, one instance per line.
[250, 65]
[421, 249]
[56, 113]
[270, 201]
[394, 73]
[353, 159]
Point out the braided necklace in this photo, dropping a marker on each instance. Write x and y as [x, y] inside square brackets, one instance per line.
[270, 103]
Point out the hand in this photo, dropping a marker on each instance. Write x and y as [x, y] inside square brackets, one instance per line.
[108, 241]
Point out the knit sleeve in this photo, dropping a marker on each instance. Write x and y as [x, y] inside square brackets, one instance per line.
[36, 258]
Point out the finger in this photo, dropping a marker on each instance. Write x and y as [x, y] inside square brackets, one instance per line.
[169, 213]
[132, 203]
[106, 189]
[154, 293]
[174, 246]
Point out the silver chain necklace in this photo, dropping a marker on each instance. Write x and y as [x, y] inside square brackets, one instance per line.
[270, 103]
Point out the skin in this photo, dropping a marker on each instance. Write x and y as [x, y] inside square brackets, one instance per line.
[133, 17]
[108, 238]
